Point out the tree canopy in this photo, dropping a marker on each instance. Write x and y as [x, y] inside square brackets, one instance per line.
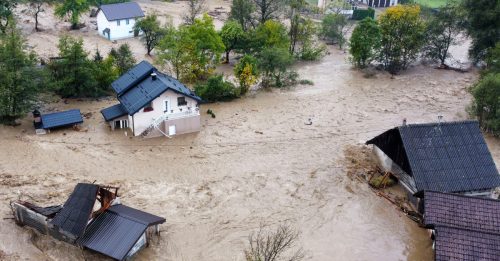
[364, 42]
[152, 31]
[73, 9]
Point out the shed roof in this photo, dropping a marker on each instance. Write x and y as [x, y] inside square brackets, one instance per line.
[77, 209]
[113, 112]
[467, 228]
[122, 11]
[452, 210]
[61, 119]
[116, 231]
[447, 157]
[136, 88]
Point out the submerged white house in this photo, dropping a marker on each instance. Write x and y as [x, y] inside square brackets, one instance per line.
[153, 104]
[116, 21]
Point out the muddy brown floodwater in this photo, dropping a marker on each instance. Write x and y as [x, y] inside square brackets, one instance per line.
[255, 163]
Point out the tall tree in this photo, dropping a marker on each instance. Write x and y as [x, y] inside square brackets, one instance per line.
[73, 9]
[6, 8]
[271, 34]
[241, 11]
[173, 52]
[268, 9]
[231, 34]
[402, 36]
[195, 8]
[486, 104]
[442, 31]
[37, 7]
[295, 20]
[73, 71]
[274, 63]
[483, 25]
[20, 80]
[333, 28]
[122, 58]
[153, 32]
[364, 42]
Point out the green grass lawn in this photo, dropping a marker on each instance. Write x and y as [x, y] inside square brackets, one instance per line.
[432, 3]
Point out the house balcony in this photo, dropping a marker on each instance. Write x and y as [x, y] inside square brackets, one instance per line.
[182, 114]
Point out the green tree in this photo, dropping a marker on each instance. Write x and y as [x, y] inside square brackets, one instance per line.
[271, 33]
[268, 9]
[104, 72]
[73, 9]
[247, 72]
[216, 89]
[122, 58]
[274, 63]
[402, 32]
[231, 34]
[241, 11]
[6, 8]
[152, 30]
[364, 43]
[333, 28]
[486, 104]
[442, 31]
[20, 80]
[493, 60]
[192, 50]
[36, 7]
[195, 8]
[310, 49]
[483, 25]
[73, 71]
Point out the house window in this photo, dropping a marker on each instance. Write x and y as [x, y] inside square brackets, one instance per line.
[121, 124]
[166, 105]
[181, 101]
[148, 107]
[127, 21]
[118, 22]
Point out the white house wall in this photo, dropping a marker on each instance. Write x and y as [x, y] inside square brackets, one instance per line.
[142, 120]
[122, 31]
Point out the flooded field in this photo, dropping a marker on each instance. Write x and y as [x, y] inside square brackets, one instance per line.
[257, 163]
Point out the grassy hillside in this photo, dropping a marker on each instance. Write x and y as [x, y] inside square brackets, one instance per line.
[432, 3]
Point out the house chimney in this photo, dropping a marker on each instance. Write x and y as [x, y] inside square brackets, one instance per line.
[404, 122]
[153, 76]
[440, 118]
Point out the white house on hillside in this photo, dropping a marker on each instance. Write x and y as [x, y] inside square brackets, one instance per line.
[116, 21]
[153, 104]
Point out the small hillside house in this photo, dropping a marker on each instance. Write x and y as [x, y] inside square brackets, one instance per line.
[153, 104]
[445, 157]
[379, 3]
[116, 21]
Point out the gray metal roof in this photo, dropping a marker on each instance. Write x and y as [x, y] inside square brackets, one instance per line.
[122, 11]
[61, 119]
[113, 112]
[445, 157]
[115, 232]
[76, 211]
[136, 88]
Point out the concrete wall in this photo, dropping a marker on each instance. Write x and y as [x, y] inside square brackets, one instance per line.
[121, 31]
[142, 120]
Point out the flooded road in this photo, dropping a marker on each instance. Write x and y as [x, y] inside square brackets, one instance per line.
[257, 163]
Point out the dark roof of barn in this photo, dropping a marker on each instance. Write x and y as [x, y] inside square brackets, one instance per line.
[467, 228]
[447, 157]
[115, 232]
[61, 119]
[136, 88]
[462, 244]
[76, 211]
[122, 11]
[113, 112]
[452, 210]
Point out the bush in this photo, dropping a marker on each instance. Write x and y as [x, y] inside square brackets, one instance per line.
[247, 72]
[486, 104]
[364, 43]
[306, 82]
[216, 89]
[360, 14]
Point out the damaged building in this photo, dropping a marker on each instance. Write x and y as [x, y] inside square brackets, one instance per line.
[93, 218]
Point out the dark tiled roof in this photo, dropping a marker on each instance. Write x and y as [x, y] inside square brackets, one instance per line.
[116, 231]
[61, 119]
[475, 213]
[77, 209]
[447, 157]
[113, 112]
[122, 11]
[461, 244]
[136, 215]
[132, 77]
[136, 88]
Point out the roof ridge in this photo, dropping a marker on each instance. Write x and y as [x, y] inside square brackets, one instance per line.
[462, 195]
[468, 229]
[429, 124]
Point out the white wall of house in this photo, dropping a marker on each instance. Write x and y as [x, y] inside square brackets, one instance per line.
[117, 32]
[142, 120]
